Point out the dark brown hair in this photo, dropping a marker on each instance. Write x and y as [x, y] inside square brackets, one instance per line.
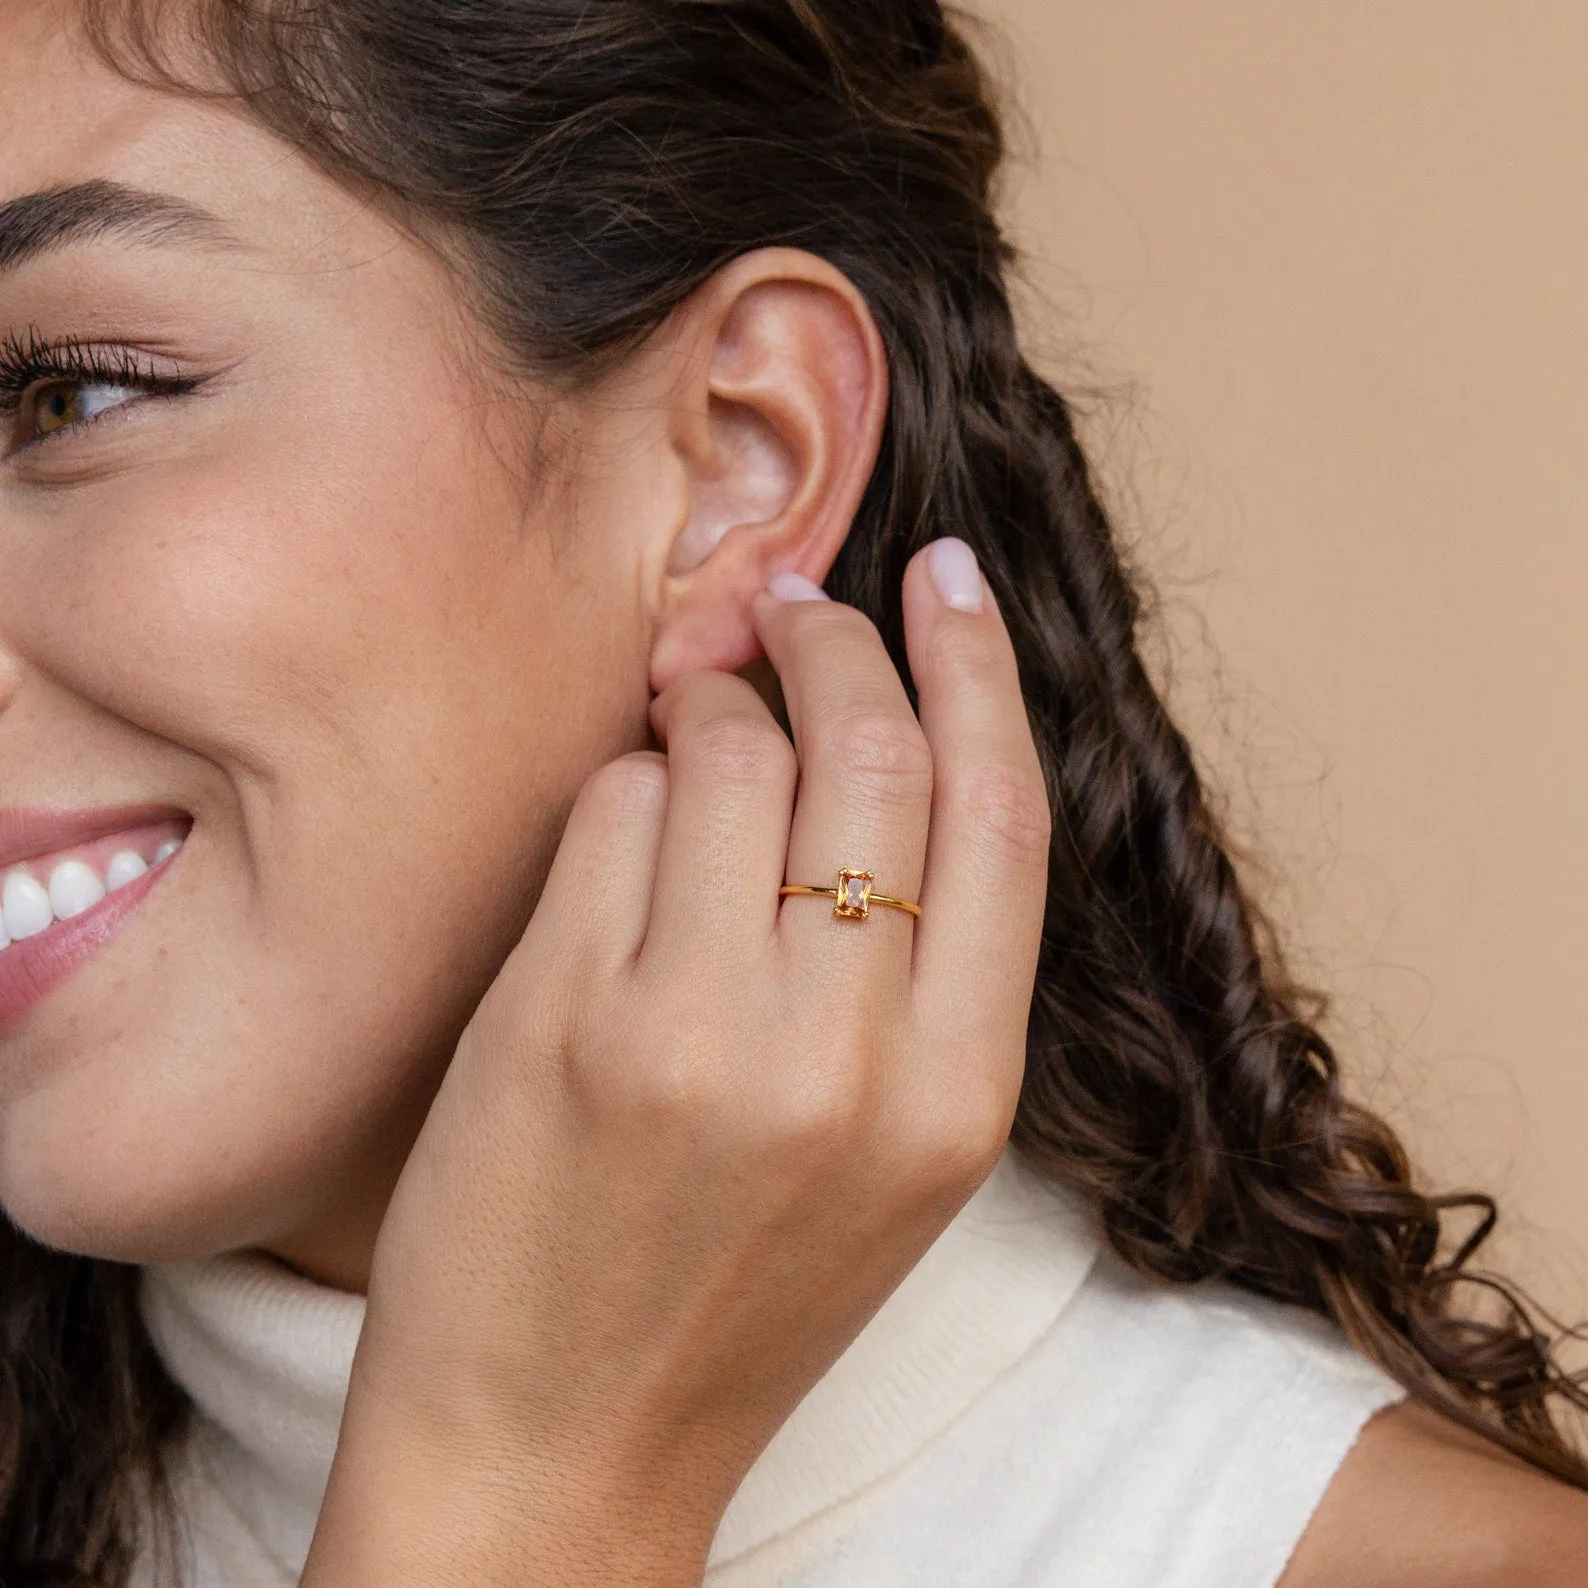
[590, 163]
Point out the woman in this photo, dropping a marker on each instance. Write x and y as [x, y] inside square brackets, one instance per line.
[429, 428]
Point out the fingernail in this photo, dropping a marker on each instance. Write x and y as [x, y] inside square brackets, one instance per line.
[795, 587]
[952, 565]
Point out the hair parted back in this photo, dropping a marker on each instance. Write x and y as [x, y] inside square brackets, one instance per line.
[590, 163]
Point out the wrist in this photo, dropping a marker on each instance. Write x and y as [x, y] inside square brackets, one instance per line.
[406, 1507]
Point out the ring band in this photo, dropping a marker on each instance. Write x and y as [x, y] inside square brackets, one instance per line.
[852, 897]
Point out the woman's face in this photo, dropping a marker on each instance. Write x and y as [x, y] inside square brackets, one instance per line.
[333, 609]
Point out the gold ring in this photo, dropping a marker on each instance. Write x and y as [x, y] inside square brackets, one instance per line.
[853, 896]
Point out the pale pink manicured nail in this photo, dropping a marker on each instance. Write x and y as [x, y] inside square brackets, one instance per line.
[952, 565]
[795, 587]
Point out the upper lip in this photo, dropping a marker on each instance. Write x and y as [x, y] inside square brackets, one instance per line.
[25, 834]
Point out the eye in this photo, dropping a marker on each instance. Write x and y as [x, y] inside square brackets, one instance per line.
[58, 404]
[50, 389]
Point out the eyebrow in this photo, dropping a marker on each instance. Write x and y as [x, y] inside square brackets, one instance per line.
[53, 218]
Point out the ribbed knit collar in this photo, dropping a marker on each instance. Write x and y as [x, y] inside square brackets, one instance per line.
[266, 1355]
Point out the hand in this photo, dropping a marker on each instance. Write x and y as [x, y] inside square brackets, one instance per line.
[695, 1135]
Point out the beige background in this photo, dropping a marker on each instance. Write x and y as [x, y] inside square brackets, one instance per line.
[1330, 265]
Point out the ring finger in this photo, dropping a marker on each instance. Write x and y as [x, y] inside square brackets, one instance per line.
[865, 792]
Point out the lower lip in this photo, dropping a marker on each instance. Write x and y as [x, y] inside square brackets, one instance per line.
[33, 967]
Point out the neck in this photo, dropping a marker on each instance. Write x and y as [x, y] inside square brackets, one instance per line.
[333, 1244]
[266, 1357]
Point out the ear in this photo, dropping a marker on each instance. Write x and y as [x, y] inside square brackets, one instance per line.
[775, 428]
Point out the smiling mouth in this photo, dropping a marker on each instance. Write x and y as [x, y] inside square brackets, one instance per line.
[69, 882]
[49, 890]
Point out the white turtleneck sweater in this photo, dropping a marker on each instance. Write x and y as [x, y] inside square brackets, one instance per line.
[1023, 1412]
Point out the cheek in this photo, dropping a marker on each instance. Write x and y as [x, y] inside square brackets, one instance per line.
[401, 684]
[332, 615]
[231, 601]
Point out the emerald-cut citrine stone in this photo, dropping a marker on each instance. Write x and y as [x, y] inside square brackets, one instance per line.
[854, 893]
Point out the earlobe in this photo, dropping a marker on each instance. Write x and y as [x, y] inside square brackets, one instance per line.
[778, 434]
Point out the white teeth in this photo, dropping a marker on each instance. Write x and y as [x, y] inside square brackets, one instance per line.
[126, 865]
[26, 906]
[74, 887]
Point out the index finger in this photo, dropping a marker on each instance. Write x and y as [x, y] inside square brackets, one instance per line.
[985, 889]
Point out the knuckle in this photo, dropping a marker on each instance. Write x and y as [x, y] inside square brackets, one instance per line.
[987, 1126]
[514, 1028]
[654, 1085]
[632, 785]
[881, 746]
[821, 1105]
[676, 1083]
[1009, 806]
[958, 1143]
[741, 750]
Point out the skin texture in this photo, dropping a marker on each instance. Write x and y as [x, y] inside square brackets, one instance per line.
[1422, 1503]
[394, 608]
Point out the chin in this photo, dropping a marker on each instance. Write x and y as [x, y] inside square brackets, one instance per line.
[102, 1187]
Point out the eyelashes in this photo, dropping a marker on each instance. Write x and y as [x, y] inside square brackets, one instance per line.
[29, 361]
